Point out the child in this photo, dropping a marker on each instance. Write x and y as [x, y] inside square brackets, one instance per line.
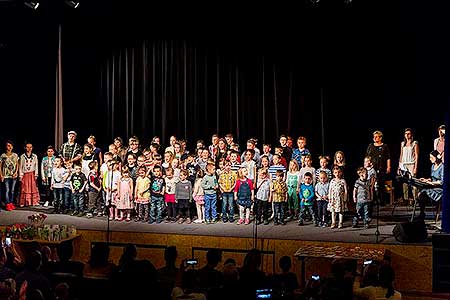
[244, 194]
[124, 203]
[292, 181]
[227, 182]
[321, 191]
[94, 190]
[157, 189]
[299, 153]
[339, 160]
[210, 186]
[307, 199]
[337, 197]
[273, 169]
[250, 164]
[191, 167]
[28, 174]
[278, 196]
[265, 162]
[279, 152]
[323, 161]
[57, 185]
[235, 165]
[307, 167]
[176, 168]
[371, 174]
[169, 196]
[168, 156]
[9, 165]
[262, 196]
[110, 183]
[68, 202]
[46, 173]
[361, 196]
[199, 197]
[97, 151]
[132, 166]
[142, 195]
[87, 157]
[183, 196]
[78, 182]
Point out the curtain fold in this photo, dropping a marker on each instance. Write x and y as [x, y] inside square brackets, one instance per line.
[192, 90]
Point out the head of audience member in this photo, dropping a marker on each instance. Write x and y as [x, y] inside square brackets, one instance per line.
[386, 279]
[252, 261]
[129, 254]
[213, 257]
[99, 255]
[370, 275]
[62, 291]
[65, 251]
[33, 260]
[156, 140]
[285, 264]
[170, 256]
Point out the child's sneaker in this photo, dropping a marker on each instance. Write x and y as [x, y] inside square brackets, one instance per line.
[46, 204]
[247, 221]
[240, 221]
[188, 221]
[89, 215]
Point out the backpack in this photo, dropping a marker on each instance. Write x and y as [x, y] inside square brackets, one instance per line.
[244, 194]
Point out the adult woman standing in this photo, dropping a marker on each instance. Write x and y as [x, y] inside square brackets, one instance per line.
[439, 142]
[409, 154]
[381, 160]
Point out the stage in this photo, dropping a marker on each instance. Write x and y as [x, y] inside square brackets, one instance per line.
[192, 240]
[291, 231]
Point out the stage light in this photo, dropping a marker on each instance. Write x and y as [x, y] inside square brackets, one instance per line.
[73, 4]
[347, 1]
[314, 1]
[32, 4]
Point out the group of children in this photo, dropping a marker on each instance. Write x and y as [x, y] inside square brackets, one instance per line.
[150, 187]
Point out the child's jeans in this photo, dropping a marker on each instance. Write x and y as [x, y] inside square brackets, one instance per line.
[362, 209]
[68, 200]
[78, 201]
[58, 194]
[228, 200]
[210, 207]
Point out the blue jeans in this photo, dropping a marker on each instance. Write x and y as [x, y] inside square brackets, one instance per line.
[210, 207]
[303, 210]
[10, 184]
[78, 201]
[58, 194]
[156, 209]
[68, 201]
[279, 212]
[362, 209]
[228, 198]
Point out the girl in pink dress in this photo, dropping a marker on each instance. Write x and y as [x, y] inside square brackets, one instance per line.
[124, 202]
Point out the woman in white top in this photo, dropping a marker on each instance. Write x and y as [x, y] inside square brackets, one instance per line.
[409, 153]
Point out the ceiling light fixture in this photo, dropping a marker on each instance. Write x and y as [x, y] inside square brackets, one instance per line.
[73, 4]
[32, 4]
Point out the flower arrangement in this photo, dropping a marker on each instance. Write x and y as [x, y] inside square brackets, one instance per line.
[19, 231]
[37, 219]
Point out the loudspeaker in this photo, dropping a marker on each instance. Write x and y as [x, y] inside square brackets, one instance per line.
[410, 232]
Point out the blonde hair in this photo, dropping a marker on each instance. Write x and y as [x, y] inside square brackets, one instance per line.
[294, 164]
[240, 173]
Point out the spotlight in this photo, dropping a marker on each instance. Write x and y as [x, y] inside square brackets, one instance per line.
[347, 1]
[314, 1]
[32, 4]
[73, 4]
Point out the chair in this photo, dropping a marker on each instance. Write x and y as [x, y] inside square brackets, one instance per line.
[438, 210]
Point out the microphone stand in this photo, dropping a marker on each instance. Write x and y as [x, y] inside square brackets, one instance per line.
[108, 207]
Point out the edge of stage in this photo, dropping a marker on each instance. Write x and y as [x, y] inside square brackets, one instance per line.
[192, 240]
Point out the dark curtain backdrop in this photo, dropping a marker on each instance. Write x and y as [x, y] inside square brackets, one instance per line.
[192, 90]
